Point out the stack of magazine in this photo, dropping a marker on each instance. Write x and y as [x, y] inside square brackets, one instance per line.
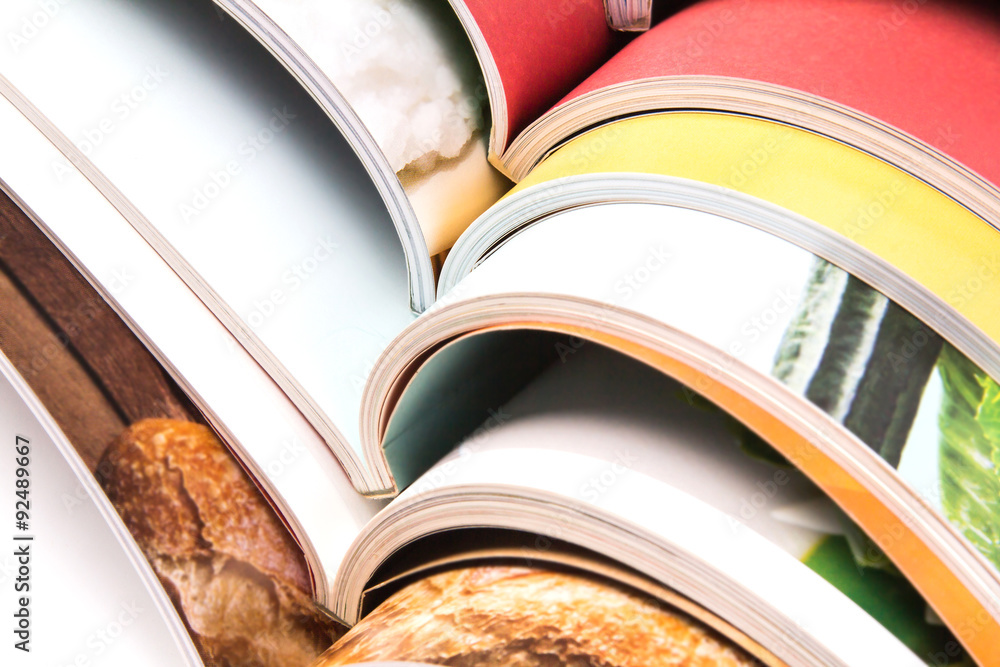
[713, 306]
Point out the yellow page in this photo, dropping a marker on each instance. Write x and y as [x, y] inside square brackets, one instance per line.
[928, 236]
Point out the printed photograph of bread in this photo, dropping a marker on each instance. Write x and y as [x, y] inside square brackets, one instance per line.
[526, 617]
[227, 562]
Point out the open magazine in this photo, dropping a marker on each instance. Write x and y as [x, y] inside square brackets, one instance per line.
[559, 399]
[811, 259]
[820, 65]
[79, 588]
[465, 408]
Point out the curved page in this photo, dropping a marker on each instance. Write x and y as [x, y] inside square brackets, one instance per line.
[244, 187]
[920, 81]
[256, 420]
[767, 323]
[535, 202]
[532, 52]
[765, 303]
[607, 454]
[402, 82]
[894, 216]
[79, 589]
[931, 69]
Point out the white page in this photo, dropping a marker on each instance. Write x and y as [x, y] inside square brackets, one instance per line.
[728, 284]
[693, 449]
[304, 480]
[91, 597]
[594, 437]
[696, 535]
[237, 169]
